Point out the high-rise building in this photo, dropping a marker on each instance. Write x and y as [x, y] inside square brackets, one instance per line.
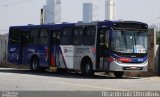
[87, 12]
[42, 16]
[110, 9]
[52, 12]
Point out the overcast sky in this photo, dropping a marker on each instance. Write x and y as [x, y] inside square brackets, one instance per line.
[22, 12]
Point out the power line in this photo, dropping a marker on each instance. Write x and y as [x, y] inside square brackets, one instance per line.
[154, 20]
[158, 23]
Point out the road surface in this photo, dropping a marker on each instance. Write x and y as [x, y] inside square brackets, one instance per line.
[24, 80]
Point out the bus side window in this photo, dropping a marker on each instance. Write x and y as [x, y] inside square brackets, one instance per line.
[78, 36]
[89, 35]
[56, 36]
[67, 36]
[33, 39]
[43, 37]
[14, 36]
[24, 38]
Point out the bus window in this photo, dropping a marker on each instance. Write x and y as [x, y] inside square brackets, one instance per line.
[89, 35]
[67, 36]
[24, 38]
[15, 36]
[56, 36]
[34, 37]
[43, 37]
[103, 42]
[104, 37]
[78, 36]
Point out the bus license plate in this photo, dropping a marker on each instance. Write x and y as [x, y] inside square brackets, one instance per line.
[133, 68]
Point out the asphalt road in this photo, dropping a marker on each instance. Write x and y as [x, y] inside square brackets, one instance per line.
[24, 80]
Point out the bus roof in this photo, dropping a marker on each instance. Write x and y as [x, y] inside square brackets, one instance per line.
[107, 23]
[53, 26]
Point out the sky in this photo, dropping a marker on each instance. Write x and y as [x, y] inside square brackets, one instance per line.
[23, 12]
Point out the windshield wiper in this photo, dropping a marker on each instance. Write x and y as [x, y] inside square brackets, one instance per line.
[125, 41]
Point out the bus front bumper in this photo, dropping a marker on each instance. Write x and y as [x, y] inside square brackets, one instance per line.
[129, 67]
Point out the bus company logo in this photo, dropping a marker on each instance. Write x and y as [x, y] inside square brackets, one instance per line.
[133, 56]
[67, 50]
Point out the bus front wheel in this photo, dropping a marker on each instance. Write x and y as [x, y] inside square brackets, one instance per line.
[87, 68]
[118, 74]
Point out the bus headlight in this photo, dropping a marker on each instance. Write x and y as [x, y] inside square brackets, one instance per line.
[120, 60]
[125, 60]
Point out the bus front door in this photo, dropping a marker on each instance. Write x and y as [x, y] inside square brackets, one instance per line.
[102, 49]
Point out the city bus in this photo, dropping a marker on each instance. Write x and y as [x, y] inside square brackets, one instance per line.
[102, 46]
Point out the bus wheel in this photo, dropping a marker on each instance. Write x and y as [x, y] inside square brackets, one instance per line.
[34, 66]
[87, 68]
[118, 74]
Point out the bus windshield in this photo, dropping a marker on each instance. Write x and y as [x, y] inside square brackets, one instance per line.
[129, 41]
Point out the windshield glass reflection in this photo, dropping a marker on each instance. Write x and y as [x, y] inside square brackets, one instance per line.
[129, 41]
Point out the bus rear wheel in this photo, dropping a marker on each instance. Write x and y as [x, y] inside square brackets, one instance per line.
[87, 68]
[118, 74]
[34, 65]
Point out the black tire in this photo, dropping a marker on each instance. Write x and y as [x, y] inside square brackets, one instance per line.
[34, 65]
[87, 68]
[118, 74]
